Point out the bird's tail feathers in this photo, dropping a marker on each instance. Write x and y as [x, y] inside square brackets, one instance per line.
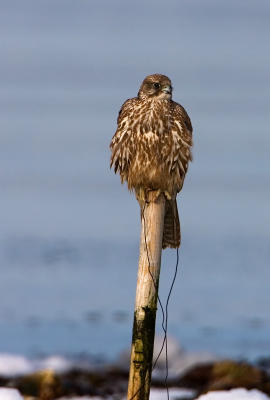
[171, 232]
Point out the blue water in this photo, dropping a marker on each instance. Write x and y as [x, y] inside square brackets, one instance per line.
[69, 231]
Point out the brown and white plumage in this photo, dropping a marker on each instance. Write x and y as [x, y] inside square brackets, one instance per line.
[151, 148]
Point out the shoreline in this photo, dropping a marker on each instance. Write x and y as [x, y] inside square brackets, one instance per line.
[57, 377]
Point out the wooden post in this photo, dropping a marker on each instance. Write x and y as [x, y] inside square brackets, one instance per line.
[152, 223]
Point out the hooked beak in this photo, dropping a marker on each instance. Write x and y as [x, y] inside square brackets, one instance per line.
[167, 89]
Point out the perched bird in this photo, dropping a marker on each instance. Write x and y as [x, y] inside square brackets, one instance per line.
[151, 148]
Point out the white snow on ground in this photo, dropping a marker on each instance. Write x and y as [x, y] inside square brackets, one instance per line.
[11, 364]
[179, 359]
[175, 394]
[178, 394]
[234, 394]
[156, 394]
[56, 363]
[81, 398]
[10, 394]
[14, 364]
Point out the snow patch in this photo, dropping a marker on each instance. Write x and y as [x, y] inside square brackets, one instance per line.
[81, 398]
[235, 394]
[56, 363]
[10, 394]
[14, 365]
[175, 394]
[179, 359]
[11, 365]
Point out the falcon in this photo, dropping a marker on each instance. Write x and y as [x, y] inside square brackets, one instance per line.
[151, 148]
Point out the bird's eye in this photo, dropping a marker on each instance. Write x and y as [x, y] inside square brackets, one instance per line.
[156, 85]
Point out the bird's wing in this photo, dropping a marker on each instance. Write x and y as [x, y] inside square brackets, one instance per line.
[122, 146]
[182, 139]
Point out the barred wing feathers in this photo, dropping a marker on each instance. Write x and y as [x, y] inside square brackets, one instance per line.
[122, 144]
[181, 136]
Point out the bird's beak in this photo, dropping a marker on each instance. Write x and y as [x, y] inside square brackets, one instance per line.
[167, 89]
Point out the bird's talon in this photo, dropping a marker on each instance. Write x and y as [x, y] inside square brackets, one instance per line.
[167, 195]
[156, 194]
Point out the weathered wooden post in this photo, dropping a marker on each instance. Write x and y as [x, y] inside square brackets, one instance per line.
[152, 223]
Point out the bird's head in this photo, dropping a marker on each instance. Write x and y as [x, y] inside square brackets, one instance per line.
[156, 86]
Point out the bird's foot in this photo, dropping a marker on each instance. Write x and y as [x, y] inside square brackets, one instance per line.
[155, 194]
[167, 195]
[145, 196]
[141, 197]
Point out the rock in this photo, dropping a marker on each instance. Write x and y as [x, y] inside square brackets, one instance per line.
[230, 374]
[99, 383]
[44, 384]
[112, 381]
[197, 377]
[47, 385]
[264, 363]
[225, 375]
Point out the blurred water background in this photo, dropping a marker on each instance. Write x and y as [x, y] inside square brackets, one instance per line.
[69, 232]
